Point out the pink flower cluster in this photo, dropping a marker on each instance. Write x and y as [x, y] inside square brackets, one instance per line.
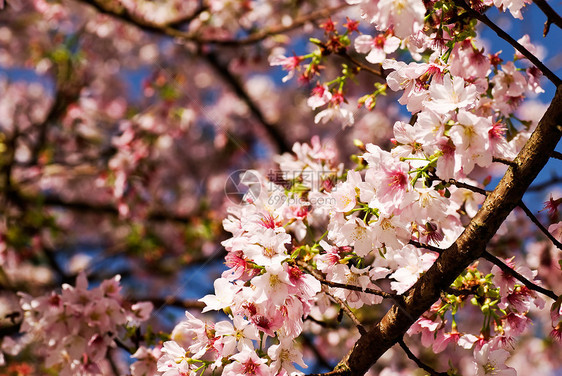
[264, 291]
[74, 329]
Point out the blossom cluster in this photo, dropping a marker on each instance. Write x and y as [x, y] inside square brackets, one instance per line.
[74, 329]
[264, 290]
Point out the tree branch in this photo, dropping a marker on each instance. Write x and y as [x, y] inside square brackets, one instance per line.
[419, 363]
[270, 128]
[84, 206]
[366, 290]
[426, 246]
[551, 16]
[556, 155]
[470, 187]
[343, 305]
[546, 184]
[506, 269]
[351, 59]
[331, 373]
[172, 301]
[505, 36]
[324, 281]
[321, 360]
[539, 225]
[503, 161]
[170, 30]
[468, 247]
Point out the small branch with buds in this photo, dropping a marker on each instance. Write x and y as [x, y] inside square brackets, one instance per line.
[506, 269]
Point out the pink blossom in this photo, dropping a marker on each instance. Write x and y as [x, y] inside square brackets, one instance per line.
[247, 362]
[290, 64]
[376, 48]
[492, 362]
[450, 95]
[514, 6]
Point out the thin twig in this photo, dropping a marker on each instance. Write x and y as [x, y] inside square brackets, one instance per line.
[418, 362]
[324, 281]
[331, 373]
[320, 359]
[172, 301]
[470, 187]
[506, 269]
[189, 17]
[366, 290]
[426, 246]
[504, 161]
[546, 184]
[505, 36]
[112, 364]
[343, 305]
[351, 59]
[540, 225]
[323, 324]
[556, 155]
[122, 345]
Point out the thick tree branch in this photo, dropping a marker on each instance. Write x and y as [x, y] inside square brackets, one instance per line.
[468, 247]
[505, 36]
[540, 225]
[506, 269]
